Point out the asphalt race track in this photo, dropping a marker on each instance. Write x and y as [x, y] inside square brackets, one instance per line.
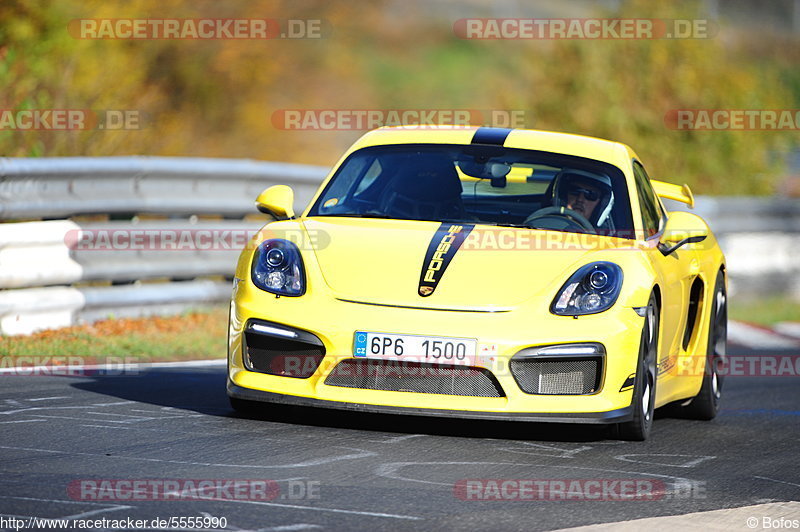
[348, 471]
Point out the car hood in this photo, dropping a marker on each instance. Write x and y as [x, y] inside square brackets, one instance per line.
[495, 268]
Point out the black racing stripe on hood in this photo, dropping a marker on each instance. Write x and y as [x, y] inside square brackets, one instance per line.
[490, 135]
[441, 250]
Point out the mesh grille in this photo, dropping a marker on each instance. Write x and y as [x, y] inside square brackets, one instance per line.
[573, 376]
[394, 376]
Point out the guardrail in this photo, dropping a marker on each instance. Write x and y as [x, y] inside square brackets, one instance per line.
[59, 187]
[65, 252]
[761, 240]
[745, 214]
[46, 280]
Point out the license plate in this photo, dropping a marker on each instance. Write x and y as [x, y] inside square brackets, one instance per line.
[413, 348]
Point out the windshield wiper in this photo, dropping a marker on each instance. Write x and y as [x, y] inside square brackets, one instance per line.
[521, 226]
[363, 215]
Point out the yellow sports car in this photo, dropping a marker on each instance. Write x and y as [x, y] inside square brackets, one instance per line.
[482, 273]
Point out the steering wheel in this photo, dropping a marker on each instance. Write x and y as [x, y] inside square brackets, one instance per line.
[558, 218]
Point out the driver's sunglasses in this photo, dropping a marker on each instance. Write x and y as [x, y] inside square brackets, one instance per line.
[590, 195]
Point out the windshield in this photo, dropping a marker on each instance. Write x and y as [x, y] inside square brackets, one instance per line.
[480, 184]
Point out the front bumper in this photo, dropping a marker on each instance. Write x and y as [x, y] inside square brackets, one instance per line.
[500, 335]
[614, 416]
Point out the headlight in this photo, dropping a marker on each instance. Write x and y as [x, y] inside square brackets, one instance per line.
[278, 268]
[592, 289]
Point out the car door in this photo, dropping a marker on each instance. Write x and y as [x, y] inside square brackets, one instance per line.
[674, 271]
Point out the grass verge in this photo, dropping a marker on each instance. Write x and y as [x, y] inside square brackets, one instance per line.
[190, 336]
[767, 311]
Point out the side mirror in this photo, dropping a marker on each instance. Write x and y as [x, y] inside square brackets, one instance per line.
[277, 200]
[682, 228]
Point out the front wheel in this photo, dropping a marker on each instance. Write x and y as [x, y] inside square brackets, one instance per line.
[644, 388]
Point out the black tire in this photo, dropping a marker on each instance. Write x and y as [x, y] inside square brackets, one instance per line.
[644, 387]
[705, 404]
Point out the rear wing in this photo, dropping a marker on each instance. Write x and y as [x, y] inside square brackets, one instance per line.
[680, 193]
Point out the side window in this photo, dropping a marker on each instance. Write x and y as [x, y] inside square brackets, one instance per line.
[651, 211]
[369, 178]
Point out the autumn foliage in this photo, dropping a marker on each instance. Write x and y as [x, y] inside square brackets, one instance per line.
[216, 97]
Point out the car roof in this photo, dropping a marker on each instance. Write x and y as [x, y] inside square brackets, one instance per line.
[608, 151]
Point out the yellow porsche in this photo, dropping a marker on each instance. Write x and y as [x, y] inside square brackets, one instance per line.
[482, 273]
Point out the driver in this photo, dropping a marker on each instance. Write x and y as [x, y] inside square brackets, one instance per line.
[585, 193]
